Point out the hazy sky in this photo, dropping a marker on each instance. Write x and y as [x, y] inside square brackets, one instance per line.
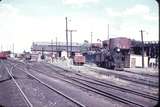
[25, 21]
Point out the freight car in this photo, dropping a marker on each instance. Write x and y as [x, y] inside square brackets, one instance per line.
[3, 55]
[78, 59]
[112, 54]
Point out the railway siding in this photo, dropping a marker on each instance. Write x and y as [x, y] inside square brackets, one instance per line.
[129, 97]
[77, 85]
[110, 79]
[92, 100]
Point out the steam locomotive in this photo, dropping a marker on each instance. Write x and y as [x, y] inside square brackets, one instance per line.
[112, 54]
[110, 58]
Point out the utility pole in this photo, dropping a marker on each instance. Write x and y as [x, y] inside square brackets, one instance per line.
[142, 48]
[56, 44]
[108, 31]
[67, 35]
[108, 38]
[56, 55]
[91, 41]
[1, 47]
[52, 50]
[52, 47]
[71, 39]
[13, 49]
[42, 57]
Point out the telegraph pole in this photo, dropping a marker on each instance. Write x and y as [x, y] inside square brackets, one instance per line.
[56, 49]
[142, 48]
[108, 38]
[108, 31]
[71, 38]
[52, 46]
[1, 47]
[91, 40]
[13, 49]
[67, 35]
[52, 49]
[91, 37]
[56, 44]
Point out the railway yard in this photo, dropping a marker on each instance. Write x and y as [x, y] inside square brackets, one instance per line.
[57, 84]
[79, 53]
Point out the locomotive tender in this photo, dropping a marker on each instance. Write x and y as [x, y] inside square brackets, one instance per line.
[112, 54]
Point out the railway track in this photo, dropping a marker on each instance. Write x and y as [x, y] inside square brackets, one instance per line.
[96, 90]
[27, 101]
[143, 74]
[100, 82]
[43, 83]
[106, 82]
[84, 82]
[125, 77]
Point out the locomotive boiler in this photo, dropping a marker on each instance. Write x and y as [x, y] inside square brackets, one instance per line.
[112, 54]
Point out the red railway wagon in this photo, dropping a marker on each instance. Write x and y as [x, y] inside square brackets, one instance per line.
[79, 59]
[3, 55]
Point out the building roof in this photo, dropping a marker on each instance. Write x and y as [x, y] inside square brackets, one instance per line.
[48, 46]
[58, 43]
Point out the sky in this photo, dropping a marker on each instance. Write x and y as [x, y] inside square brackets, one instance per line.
[23, 22]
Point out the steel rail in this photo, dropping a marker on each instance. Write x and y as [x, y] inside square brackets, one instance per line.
[124, 77]
[107, 84]
[93, 68]
[95, 90]
[96, 81]
[50, 87]
[153, 85]
[128, 71]
[99, 91]
[53, 89]
[117, 87]
[142, 74]
[25, 97]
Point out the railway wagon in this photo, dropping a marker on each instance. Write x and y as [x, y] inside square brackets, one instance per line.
[3, 55]
[79, 59]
